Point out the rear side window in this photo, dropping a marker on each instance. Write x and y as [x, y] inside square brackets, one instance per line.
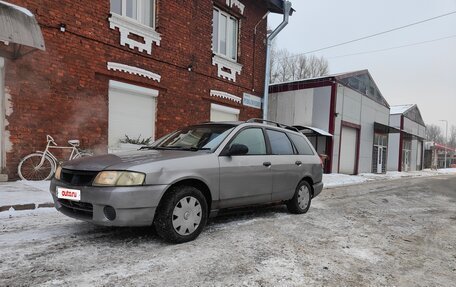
[280, 144]
[301, 145]
[253, 139]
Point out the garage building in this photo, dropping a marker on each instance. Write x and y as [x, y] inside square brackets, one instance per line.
[350, 107]
[406, 147]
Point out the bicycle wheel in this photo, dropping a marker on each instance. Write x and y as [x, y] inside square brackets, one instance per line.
[82, 154]
[29, 168]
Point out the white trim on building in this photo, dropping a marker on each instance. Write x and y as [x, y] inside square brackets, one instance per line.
[225, 95]
[133, 70]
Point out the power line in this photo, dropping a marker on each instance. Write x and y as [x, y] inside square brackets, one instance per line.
[374, 35]
[392, 48]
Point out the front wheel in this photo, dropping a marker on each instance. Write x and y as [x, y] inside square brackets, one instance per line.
[300, 202]
[182, 214]
[30, 168]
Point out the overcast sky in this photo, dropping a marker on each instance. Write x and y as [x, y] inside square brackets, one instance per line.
[422, 74]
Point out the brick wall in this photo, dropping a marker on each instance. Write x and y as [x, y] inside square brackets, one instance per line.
[64, 90]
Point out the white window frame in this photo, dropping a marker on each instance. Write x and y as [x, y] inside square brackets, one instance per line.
[139, 15]
[229, 36]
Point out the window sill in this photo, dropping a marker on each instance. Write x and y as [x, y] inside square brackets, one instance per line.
[129, 26]
[226, 68]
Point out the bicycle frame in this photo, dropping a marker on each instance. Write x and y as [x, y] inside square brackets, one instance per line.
[74, 153]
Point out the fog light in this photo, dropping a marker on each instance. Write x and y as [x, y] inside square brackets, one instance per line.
[109, 212]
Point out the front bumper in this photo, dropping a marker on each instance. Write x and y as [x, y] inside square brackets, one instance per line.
[134, 206]
[317, 188]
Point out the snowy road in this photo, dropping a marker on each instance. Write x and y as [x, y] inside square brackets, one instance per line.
[400, 233]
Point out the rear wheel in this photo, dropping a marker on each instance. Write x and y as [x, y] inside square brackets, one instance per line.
[82, 154]
[181, 215]
[30, 169]
[300, 202]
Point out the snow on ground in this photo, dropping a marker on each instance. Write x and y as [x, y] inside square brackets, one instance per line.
[399, 233]
[21, 213]
[42, 185]
[24, 192]
[336, 179]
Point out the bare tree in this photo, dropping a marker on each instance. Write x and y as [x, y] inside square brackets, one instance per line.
[434, 133]
[286, 66]
[452, 137]
[284, 69]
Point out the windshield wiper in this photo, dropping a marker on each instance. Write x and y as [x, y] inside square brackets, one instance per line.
[175, 148]
[150, 147]
[195, 148]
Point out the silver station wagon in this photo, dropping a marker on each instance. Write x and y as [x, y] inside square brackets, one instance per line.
[183, 178]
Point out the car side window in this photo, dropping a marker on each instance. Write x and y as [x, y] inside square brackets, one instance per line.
[301, 144]
[280, 144]
[252, 138]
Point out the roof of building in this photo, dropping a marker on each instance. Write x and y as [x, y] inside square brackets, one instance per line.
[400, 109]
[276, 6]
[410, 111]
[18, 26]
[360, 81]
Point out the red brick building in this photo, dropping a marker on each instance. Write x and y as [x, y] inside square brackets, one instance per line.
[135, 67]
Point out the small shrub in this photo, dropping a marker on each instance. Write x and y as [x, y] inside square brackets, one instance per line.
[137, 141]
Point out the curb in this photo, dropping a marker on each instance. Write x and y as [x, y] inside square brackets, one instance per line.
[27, 206]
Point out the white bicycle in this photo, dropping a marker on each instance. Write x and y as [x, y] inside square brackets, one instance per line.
[41, 165]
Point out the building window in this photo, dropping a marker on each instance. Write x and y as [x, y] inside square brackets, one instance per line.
[224, 34]
[142, 11]
[135, 21]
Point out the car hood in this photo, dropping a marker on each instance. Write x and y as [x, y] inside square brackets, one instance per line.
[125, 160]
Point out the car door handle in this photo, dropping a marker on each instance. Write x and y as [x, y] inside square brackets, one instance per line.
[298, 163]
[267, 164]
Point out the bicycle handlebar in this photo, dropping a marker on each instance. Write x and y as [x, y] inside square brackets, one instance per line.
[51, 140]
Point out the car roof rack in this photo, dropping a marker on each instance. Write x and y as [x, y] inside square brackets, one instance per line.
[258, 120]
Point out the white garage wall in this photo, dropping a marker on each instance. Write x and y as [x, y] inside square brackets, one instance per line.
[348, 151]
[393, 152]
[356, 108]
[413, 156]
[371, 112]
[419, 155]
[321, 108]
[281, 107]
[395, 121]
[307, 107]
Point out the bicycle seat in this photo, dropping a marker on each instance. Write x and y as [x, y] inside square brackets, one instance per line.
[74, 143]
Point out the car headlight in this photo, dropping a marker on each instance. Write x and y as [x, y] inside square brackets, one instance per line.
[120, 178]
[58, 172]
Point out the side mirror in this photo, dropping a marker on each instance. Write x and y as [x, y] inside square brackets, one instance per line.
[238, 149]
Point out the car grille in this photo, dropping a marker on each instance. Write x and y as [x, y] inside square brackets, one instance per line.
[83, 209]
[77, 177]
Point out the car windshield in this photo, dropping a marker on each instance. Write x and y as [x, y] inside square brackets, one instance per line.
[202, 137]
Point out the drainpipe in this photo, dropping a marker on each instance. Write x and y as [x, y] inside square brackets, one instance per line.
[286, 15]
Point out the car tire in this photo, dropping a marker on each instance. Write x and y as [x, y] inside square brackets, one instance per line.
[300, 203]
[181, 215]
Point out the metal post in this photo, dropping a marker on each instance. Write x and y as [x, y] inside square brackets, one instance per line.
[286, 14]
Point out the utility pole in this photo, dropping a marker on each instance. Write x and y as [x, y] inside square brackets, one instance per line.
[446, 140]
